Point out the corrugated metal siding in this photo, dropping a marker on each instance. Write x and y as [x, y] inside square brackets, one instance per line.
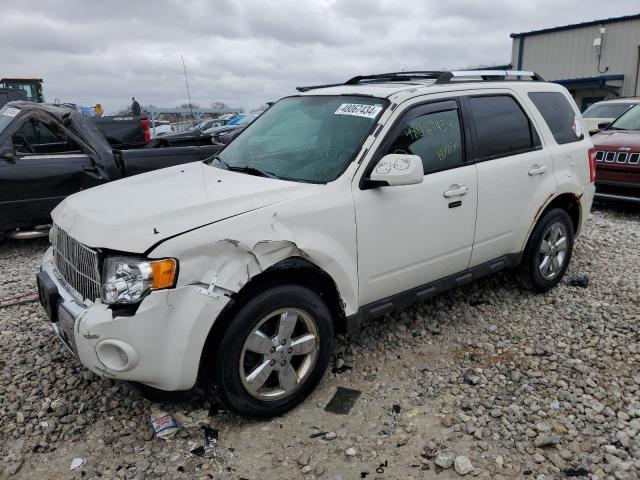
[514, 52]
[571, 54]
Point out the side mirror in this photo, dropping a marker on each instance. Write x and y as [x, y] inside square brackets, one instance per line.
[603, 125]
[7, 153]
[397, 169]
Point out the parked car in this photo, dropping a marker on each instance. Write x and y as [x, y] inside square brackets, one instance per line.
[225, 134]
[240, 269]
[618, 158]
[195, 131]
[48, 152]
[217, 135]
[158, 128]
[606, 111]
[170, 140]
[203, 125]
[236, 119]
[213, 122]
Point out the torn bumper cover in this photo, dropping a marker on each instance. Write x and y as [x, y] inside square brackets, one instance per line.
[159, 346]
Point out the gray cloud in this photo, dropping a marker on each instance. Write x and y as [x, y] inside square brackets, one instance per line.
[249, 52]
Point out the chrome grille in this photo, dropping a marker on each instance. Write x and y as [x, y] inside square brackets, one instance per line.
[79, 265]
[618, 157]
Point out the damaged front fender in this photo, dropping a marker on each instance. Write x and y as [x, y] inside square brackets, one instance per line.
[226, 256]
[241, 263]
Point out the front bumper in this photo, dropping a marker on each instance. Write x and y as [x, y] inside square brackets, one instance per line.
[618, 190]
[159, 346]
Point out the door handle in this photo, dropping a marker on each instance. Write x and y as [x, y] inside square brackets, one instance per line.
[537, 170]
[456, 191]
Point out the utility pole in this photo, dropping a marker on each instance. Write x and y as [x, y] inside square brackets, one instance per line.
[184, 68]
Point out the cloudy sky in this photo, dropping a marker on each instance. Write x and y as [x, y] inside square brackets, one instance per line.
[247, 52]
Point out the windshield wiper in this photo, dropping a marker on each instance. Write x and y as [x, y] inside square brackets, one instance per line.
[210, 160]
[252, 171]
[245, 169]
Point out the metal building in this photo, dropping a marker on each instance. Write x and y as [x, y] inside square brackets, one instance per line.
[594, 60]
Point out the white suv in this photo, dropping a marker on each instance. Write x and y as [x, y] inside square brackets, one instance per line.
[338, 205]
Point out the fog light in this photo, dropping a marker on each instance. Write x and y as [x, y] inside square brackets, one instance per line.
[117, 355]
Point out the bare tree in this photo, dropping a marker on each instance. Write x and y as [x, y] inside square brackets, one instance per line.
[124, 111]
[220, 105]
[195, 106]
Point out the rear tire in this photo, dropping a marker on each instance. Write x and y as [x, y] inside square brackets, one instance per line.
[548, 252]
[274, 352]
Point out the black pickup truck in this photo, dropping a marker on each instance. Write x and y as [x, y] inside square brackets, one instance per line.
[49, 152]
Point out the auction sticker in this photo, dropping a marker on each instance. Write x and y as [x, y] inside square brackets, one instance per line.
[11, 112]
[358, 110]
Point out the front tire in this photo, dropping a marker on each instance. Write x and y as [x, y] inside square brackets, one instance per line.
[274, 352]
[548, 252]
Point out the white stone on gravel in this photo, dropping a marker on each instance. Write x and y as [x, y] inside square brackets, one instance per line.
[445, 459]
[462, 465]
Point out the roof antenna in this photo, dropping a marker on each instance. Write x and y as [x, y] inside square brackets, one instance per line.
[193, 118]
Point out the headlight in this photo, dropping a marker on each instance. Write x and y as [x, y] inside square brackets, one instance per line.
[127, 280]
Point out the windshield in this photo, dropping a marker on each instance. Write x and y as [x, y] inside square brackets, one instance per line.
[630, 120]
[606, 110]
[7, 115]
[26, 87]
[310, 139]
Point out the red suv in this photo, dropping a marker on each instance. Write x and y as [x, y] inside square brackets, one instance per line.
[618, 158]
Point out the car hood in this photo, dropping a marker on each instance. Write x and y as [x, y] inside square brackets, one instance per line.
[617, 138]
[135, 213]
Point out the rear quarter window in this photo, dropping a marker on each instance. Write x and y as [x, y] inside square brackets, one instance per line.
[561, 118]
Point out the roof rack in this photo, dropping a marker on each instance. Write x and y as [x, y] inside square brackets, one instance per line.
[488, 75]
[439, 77]
[395, 77]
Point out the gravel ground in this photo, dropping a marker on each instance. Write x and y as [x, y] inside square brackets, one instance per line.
[488, 378]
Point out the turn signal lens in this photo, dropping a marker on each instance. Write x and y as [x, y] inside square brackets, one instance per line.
[164, 273]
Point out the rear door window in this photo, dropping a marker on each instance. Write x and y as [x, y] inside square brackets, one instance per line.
[502, 127]
[562, 120]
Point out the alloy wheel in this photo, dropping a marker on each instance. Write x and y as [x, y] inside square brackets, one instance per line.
[553, 250]
[279, 354]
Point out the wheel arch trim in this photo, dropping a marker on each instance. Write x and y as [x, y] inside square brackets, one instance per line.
[568, 201]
